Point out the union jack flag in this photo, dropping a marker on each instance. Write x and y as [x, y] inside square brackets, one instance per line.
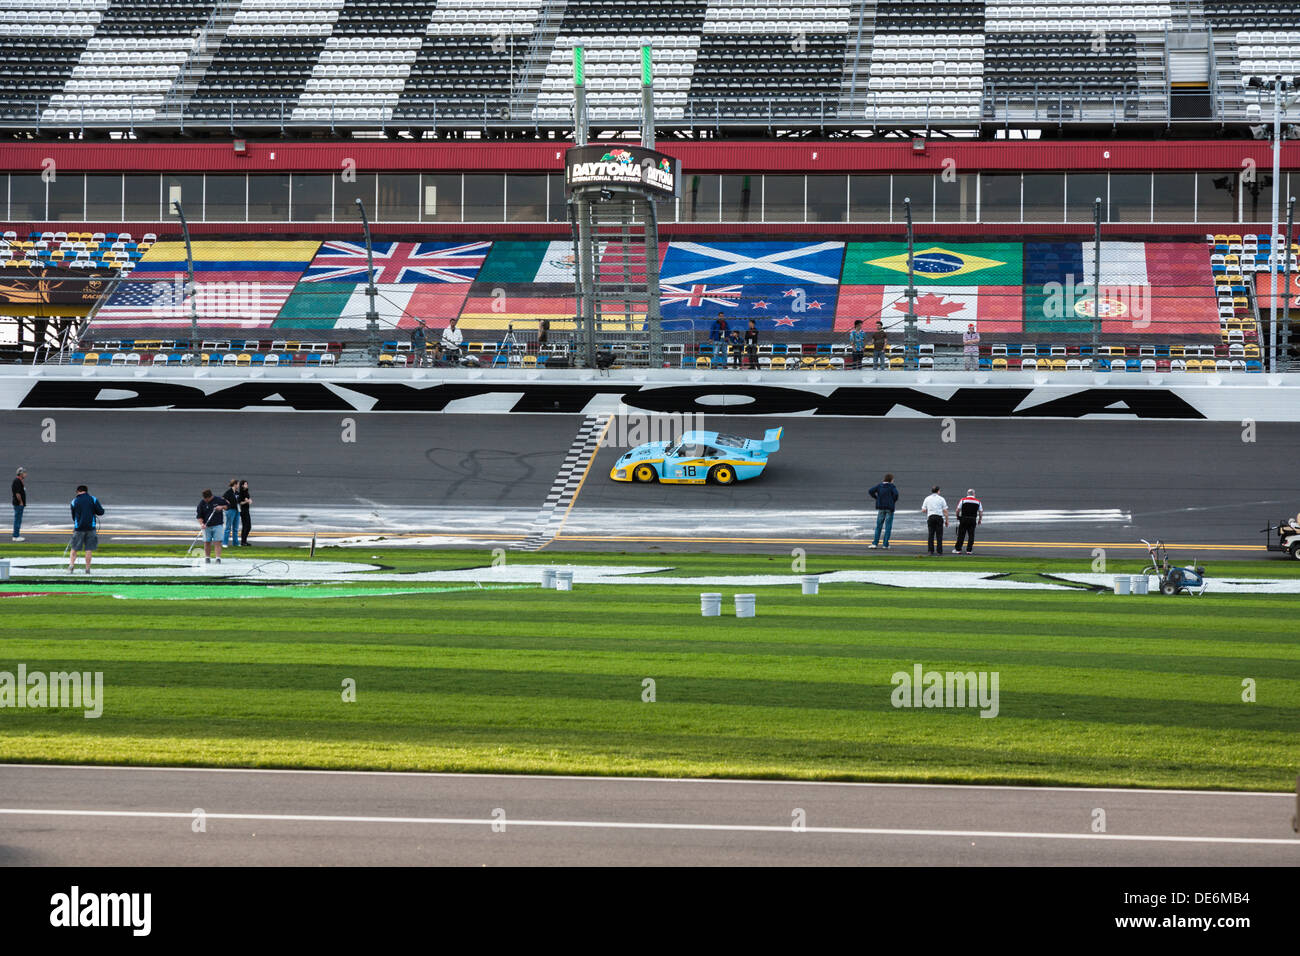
[398, 262]
[697, 296]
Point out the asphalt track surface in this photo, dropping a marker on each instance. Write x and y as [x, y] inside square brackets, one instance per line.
[85, 816]
[1049, 487]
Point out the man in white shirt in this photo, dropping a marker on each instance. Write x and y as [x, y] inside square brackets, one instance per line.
[935, 509]
[970, 346]
[451, 341]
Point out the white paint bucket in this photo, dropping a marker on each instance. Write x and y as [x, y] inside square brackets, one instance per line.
[564, 580]
[548, 578]
[744, 605]
[1122, 583]
[710, 605]
[1140, 584]
[4, 570]
[810, 584]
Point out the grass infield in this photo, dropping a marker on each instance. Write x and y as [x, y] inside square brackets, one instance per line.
[1094, 689]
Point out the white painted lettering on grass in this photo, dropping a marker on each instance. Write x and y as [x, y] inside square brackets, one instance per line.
[55, 690]
[923, 688]
[76, 909]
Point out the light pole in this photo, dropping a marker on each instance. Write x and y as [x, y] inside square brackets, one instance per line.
[372, 314]
[909, 320]
[191, 288]
[1277, 85]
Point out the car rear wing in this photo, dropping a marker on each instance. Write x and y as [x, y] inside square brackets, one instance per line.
[771, 440]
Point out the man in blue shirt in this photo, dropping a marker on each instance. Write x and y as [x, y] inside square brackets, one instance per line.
[857, 344]
[86, 511]
[886, 495]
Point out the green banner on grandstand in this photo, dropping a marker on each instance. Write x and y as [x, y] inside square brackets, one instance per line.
[957, 263]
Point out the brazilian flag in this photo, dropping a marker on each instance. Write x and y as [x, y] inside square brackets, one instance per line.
[956, 263]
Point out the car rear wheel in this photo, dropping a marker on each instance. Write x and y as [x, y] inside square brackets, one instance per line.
[644, 473]
[1168, 588]
[722, 474]
[1295, 550]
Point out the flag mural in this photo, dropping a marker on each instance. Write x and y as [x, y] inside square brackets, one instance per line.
[514, 262]
[496, 305]
[958, 263]
[414, 280]
[1288, 291]
[957, 284]
[1145, 287]
[780, 285]
[239, 285]
[398, 262]
[947, 310]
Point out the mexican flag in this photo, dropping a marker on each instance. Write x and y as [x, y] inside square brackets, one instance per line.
[512, 262]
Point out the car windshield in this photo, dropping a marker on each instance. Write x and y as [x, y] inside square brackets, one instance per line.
[731, 441]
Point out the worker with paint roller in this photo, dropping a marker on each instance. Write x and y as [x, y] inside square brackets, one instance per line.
[211, 517]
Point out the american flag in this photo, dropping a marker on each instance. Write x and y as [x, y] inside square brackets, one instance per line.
[398, 262]
[696, 296]
[164, 304]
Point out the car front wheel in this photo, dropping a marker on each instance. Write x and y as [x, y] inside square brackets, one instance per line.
[644, 473]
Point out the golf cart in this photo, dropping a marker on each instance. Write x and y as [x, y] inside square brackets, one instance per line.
[1288, 536]
[1173, 580]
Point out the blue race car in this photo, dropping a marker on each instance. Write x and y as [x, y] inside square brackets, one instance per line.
[698, 458]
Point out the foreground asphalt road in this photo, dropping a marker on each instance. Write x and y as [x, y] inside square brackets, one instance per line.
[79, 816]
[1052, 487]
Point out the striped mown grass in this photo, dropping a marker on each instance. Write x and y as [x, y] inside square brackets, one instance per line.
[1094, 689]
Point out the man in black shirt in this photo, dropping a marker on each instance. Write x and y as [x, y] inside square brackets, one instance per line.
[751, 344]
[211, 517]
[970, 512]
[19, 490]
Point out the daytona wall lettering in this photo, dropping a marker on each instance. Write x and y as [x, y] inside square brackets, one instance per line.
[575, 398]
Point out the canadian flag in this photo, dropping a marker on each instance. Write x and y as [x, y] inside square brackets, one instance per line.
[945, 309]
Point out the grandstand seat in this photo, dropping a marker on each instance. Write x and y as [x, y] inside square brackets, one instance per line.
[328, 359]
[999, 363]
[91, 358]
[119, 358]
[271, 360]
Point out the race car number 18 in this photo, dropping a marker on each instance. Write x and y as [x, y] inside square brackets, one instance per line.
[690, 471]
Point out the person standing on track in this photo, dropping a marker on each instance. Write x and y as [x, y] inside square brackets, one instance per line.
[245, 523]
[86, 511]
[935, 509]
[230, 537]
[970, 512]
[751, 344]
[210, 520]
[886, 495]
[19, 489]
